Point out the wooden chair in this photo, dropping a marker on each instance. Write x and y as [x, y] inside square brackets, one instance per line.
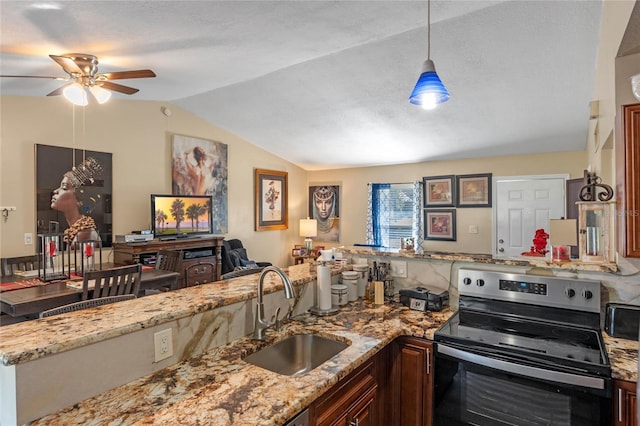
[85, 304]
[24, 263]
[112, 282]
[168, 260]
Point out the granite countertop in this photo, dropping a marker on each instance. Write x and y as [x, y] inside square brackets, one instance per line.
[623, 356]
[526, 261]
[219, 388]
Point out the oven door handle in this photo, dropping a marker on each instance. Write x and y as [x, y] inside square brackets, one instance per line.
[523, 370]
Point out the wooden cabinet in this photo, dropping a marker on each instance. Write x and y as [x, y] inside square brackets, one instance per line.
[628, 183]
[354, 400]
[624, 403]
[412, 384]
[200, 258]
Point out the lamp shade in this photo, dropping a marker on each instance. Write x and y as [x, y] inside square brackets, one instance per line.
[308, 227]
[563, 232]
[101, 95]
[76, 94]
[429, 90]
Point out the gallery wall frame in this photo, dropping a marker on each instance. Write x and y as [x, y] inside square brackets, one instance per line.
[271, 200]
[473, 190]
[440, 225]
[439, 191]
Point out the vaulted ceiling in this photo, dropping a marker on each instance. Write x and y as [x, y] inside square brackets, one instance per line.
[325, 84]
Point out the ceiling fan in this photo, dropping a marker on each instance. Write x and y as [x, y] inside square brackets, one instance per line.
[83, 74]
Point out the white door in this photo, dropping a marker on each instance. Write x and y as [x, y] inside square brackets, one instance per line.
[521, 205]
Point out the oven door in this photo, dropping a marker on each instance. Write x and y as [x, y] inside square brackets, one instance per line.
[480, 389]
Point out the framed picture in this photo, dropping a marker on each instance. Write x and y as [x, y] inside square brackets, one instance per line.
[271, 196]
[200, 167]
[474, 190]
[324, 207]
[439, 191]
[440, 225]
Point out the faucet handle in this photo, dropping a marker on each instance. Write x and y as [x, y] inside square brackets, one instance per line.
[277, 324]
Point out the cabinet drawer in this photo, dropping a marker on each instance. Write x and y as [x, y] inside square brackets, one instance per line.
[199, 273]
[343, 395]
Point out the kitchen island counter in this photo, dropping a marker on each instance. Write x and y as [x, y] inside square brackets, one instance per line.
[219, 388]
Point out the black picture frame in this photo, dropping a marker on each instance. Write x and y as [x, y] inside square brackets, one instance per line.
[474, 190]
[439, 191]
[440, 225]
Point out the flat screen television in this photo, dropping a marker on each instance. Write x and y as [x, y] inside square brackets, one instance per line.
[180, 216]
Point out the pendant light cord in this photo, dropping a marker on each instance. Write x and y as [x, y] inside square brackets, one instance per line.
[428, 29]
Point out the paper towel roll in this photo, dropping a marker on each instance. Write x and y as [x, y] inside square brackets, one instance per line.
[324, 287]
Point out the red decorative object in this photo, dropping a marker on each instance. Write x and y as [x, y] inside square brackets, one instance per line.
[539, 247]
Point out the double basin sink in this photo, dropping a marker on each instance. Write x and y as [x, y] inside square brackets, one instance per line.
[297, 354]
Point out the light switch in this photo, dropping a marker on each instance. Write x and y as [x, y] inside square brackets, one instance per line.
[473, 229]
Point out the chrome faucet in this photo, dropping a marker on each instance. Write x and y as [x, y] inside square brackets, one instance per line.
[261, 324]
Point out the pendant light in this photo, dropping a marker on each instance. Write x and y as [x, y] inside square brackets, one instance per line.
[429, 90]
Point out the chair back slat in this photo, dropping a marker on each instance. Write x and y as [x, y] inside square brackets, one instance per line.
[111, 282]
[85, 304]
[21, 263]
[168, 260]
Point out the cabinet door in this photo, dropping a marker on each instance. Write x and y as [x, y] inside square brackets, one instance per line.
[413, 387]
[624, 403]
[628, 191]
[363, 411]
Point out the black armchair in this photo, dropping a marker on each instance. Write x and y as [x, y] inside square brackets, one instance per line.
[236, 262]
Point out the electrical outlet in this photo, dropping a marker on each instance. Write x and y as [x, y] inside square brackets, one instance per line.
[163, 344]
[28, 238]
[399, 269]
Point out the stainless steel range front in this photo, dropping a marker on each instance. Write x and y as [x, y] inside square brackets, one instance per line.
[522, 350]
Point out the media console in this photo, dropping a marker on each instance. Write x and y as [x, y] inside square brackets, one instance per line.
[192, 252]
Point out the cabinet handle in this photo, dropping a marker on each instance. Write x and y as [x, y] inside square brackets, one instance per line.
[428, 361]
[356, 422]
[619, 405]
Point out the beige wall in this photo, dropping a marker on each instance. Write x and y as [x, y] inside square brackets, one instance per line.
[353, 197]
[139, 136]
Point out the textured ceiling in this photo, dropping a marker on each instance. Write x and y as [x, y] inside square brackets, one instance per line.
[325, 84]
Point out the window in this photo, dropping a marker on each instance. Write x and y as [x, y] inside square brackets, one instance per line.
[392, 213]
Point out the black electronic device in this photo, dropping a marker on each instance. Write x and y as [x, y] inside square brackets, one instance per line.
[181, 216]
[197, 253]
[424, 299]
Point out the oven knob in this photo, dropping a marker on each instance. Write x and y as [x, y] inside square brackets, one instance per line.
[466, 281]
[480, 282]
[587, 294]
[570, 292]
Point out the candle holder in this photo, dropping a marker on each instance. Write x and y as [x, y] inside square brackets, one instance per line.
[51, 265]
[596, 223]
[86, 254]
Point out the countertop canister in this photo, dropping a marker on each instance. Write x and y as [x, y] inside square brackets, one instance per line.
[363, 277]
[350, 279]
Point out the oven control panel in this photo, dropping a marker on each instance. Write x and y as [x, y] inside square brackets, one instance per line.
[543, 290]
[523, 287]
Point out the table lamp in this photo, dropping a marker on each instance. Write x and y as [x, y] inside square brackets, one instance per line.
[308, 229]
[562, 234]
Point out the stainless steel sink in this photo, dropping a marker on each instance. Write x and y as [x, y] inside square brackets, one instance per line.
[297, 354]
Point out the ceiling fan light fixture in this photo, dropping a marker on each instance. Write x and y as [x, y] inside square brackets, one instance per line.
[101, 95]
[429, 90]
[76, 94]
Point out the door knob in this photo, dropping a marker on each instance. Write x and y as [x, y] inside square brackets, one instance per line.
[501, 241]
[500, 249]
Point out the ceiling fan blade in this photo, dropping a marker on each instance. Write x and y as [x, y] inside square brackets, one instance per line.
[59, 90]
[67, 64]
[121, 75]
[119, 88]
[36, 76]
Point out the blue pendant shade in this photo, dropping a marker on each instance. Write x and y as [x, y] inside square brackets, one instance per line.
[429, 90]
